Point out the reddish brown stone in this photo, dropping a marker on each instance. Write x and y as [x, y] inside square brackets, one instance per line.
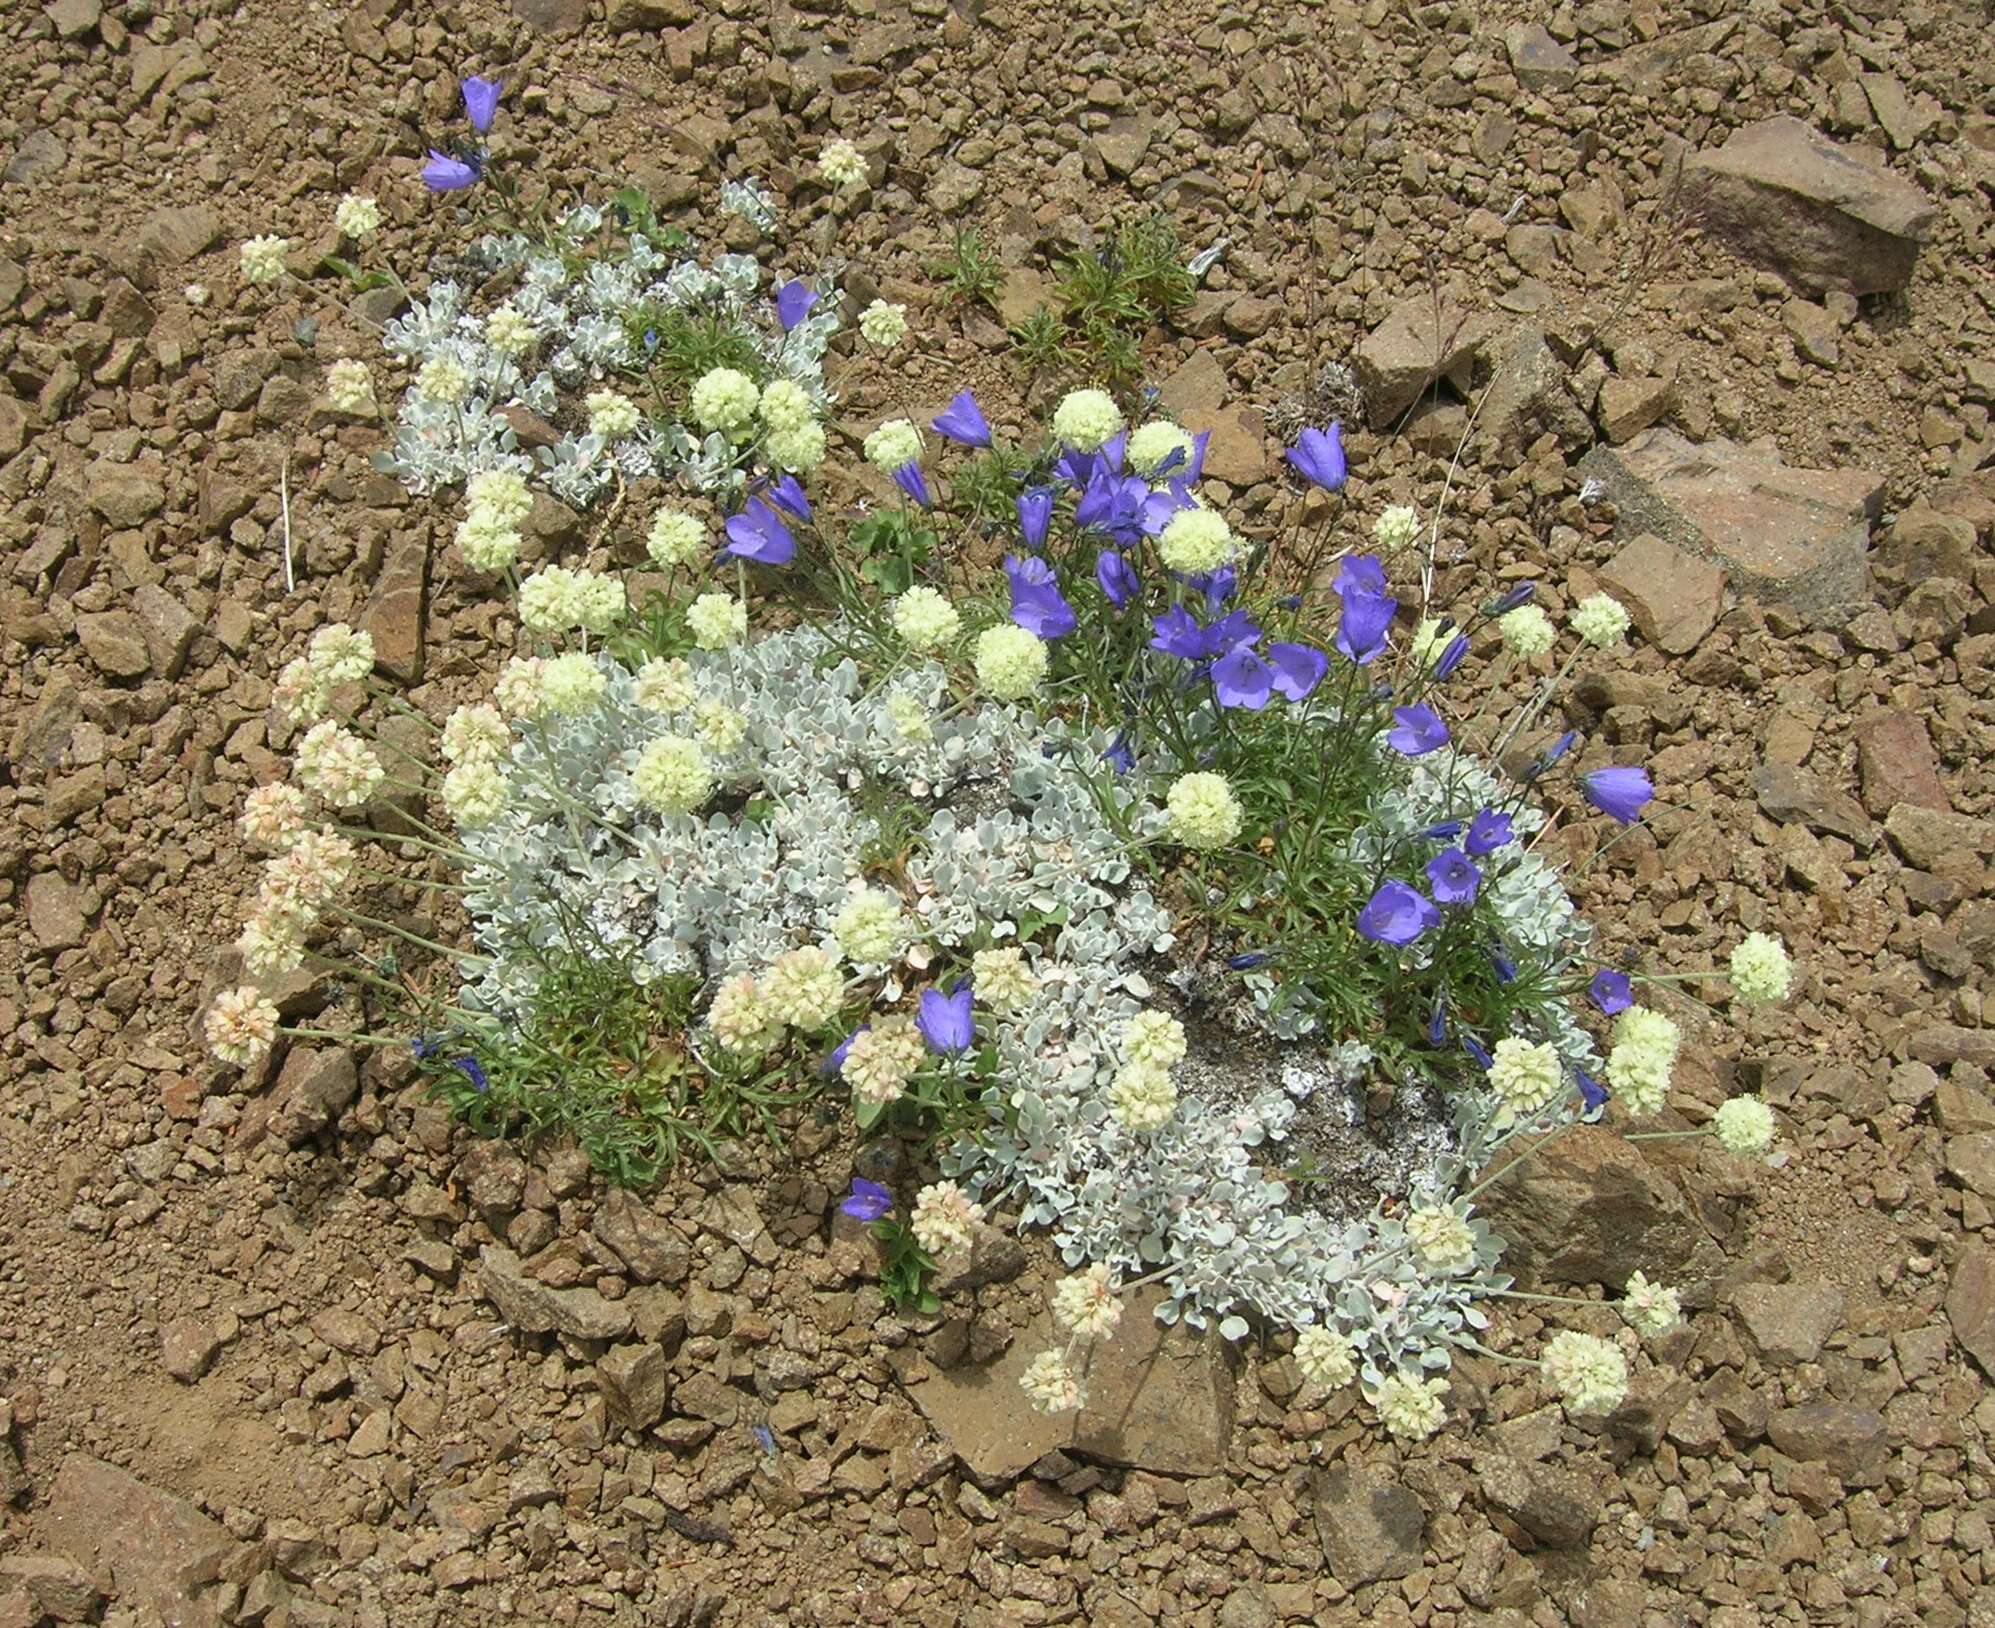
[1894, 757]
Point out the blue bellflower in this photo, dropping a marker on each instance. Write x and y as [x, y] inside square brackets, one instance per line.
[1298, 668]
[1117, 577]
[867, 1201]
[1453, 876]
[757, 533]
[1417, 730]
[1397, 914]
[481, 101]
[1319, 455]
[962, 422]
[1368, 607]
[1036, 602]
[1035, 513]
[1592, 1094]
[1611, 991]
[1120, 755]
[1241, 679]
[946, 1021]
[793, 302]
[1452, 657]
[1517, 597]
[443, 173]
[1619, 792]
[476, 1074]
[910, 480]
[1488, 831]
[788, 495]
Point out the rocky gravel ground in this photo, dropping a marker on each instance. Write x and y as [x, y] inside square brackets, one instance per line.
[1690, 302]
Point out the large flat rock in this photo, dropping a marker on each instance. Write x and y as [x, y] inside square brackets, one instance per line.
[1788, 197]
[1800, 537]
[1158, 1398]
[161, 1553]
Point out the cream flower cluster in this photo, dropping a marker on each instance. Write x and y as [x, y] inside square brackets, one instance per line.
[273, 816]
[476, 792]
[672, 775]
[717, 621]
[1430, 641]
[909, 717]
[883, 324]
[1409, 1405]
[510, 331]
[1010, 661]
[1524, 1076]
[572, 683]
[871, 929]
[664, 685]
[1086, 1304]
[1141, 1096]
[1761, 972]
[1441, 1238]
[350, 386]
[475, 732]
[338, 765]
[1003, 979]
[241, 1026]
[944, 1220]
[894, 445]
[786, 405]
[1743, 1126]
[741, 1019]
[517, 689]
[1201, 811]
[1650, 1308]
[1644, 1052]
[882, 1058]
[724, 399]
[1325, 1357]
[444, 381]
[1397, 526]
[1527, 631]
[1601, 620]
[795, 449]
[1589, 1373]
[497, 503]
[1196, 542]
[1052, 1385]
[555, 599]
[924, 619]
[676, 538]
[270, 946]
[302, 880]
[804, 988]
[262, 259]
[1087, 420]
[612, 414]
[336, 655]
[842, 165]
[357, 216]
[721, 729]
[1160, 448]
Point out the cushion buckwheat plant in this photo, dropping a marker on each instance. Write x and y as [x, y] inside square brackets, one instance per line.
[1126, 880]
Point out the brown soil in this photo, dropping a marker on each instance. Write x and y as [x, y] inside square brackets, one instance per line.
[1348, 154]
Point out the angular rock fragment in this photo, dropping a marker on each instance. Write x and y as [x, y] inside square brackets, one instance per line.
[1796, 536]
[1158, 1398]
[1788, 197]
